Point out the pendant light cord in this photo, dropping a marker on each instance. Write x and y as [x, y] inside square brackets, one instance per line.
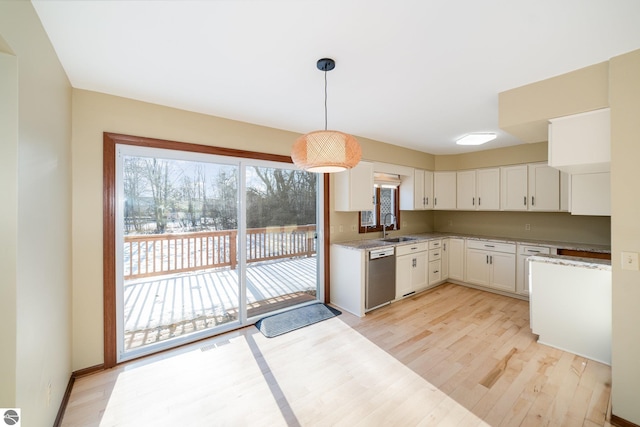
[325, 100]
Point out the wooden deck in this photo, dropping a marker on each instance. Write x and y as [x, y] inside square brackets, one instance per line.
[160, 308]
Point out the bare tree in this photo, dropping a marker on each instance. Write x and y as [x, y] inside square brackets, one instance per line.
[157, 174]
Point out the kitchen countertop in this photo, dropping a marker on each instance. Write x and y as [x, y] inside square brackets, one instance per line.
[371, 244]
[568, 261]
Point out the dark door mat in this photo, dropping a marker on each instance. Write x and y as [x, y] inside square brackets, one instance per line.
[297, 318]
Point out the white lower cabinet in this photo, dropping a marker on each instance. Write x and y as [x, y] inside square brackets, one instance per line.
[455, 253]
[491, 264]
[522, 269]
[411, 268]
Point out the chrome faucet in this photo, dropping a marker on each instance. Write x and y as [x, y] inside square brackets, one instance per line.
[384, 224]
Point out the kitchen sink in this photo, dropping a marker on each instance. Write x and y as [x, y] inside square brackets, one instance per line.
[398, 239]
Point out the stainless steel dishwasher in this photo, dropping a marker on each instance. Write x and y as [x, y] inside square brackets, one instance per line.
[381, 278]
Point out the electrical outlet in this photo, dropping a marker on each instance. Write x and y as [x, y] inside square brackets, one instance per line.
[630, 261]
[527, 227]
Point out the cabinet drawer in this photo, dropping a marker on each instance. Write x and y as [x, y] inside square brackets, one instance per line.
[433, 244]
[409, 249]
[435, 254]
[533, 250]
[492, 246]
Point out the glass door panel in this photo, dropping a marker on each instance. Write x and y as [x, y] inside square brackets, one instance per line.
[281, 238]
[178, 240]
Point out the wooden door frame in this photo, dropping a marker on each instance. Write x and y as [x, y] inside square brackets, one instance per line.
[110, 140]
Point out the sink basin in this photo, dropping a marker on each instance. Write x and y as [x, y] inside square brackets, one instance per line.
[398, 239]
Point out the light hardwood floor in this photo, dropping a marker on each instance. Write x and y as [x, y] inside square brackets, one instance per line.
[452, 356]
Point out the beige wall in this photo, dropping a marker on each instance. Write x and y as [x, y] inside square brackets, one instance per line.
[8, 225]
[551, 226]
[38, 187]
[517, 154]
[525, 111]
[625, 221]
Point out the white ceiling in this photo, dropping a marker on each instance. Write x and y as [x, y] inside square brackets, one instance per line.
[414, 73]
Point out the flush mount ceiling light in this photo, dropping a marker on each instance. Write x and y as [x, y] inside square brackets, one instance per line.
[326, 151]
[476, 138]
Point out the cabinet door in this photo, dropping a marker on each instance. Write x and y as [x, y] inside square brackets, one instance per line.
[418, 189]
[513, 188]
[456, 259]
[354, 188]
[544, 188]
[419, 271]
[503, 271]
[591, 194]
[521, 275]
[444, 265]
[444, 190]
[488, 189]
[428, 189]
[403, 275]
[478, 268]
[466, 190]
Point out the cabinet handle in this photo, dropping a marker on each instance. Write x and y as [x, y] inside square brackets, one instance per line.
[533, 201]
[444, 247]
[435, 201]
[487, 261]
[525, 200]
[489, 246]
[414, 248]
[473, 201]
[435, 271]
[533, 251]
[427, 202]
[479, 202]
[414, 263]
[491, 259]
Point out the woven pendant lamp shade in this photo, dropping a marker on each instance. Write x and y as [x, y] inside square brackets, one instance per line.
[326, 151]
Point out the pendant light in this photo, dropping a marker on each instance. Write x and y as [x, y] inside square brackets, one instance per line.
[326, 151]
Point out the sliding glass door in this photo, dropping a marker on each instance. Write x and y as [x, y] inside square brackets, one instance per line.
[205, 244]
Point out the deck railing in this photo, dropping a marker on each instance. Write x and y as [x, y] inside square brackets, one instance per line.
[155, 255]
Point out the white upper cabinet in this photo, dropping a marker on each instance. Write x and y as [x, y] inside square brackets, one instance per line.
[444, 190]
[544, 188]
[533, 187]
[354, 188]
[466, 194]
[416, 192]
[591, 194]
[581, 143]
[478, 189]
[488, 189]
[514, 188]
